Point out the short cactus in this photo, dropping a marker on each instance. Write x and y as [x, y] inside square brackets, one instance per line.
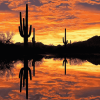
[64, 40]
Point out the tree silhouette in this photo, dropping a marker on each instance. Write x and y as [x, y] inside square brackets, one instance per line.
[7, 37]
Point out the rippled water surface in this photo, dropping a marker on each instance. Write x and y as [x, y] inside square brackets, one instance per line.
[81, 82]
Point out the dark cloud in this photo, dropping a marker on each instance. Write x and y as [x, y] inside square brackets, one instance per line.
[61, 19]
[71, 17]
[96, 1]
[93, 23]
[49, 1]
[4, 6]
[35, 2]
[63, 4]
[89, 6]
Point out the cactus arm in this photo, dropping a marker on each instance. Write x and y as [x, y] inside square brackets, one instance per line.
[19, 75]
[20, 27]
[34, 33]
[65, 34]
[23, 81]
[30, 73]
[21, 32]
[63, 40]
[21, 72]
[66, 61]
[23, 22]
[32, 39]
[30, 31]
[63, 63]
[20, 21]
[66, 41]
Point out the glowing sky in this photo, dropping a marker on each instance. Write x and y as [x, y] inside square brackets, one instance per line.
[81, 18]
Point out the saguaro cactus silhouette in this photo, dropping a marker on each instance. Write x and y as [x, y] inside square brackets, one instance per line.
[64, 40]
[65, 61]
[24, 29]
[24, 33]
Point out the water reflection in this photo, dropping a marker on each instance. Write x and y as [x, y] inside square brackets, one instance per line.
[23, 75]
[76, 61]
[5, 68]
[64, 63]
[33, 64]
[81, 81]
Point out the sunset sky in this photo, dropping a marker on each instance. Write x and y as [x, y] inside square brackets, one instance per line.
[81, 18]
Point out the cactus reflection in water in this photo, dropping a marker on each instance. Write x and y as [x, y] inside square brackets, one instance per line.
[33, 64]
[64, 63]
[23, 75]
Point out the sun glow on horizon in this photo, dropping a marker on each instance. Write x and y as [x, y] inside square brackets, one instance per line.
[47, 39]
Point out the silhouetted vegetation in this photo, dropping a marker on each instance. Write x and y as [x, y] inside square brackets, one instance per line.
[6, 38]
[91, 46]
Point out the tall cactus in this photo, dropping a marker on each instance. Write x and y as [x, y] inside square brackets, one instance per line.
[24, 29]
[64, 40]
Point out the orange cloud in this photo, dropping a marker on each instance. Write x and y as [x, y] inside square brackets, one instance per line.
[52, 17]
